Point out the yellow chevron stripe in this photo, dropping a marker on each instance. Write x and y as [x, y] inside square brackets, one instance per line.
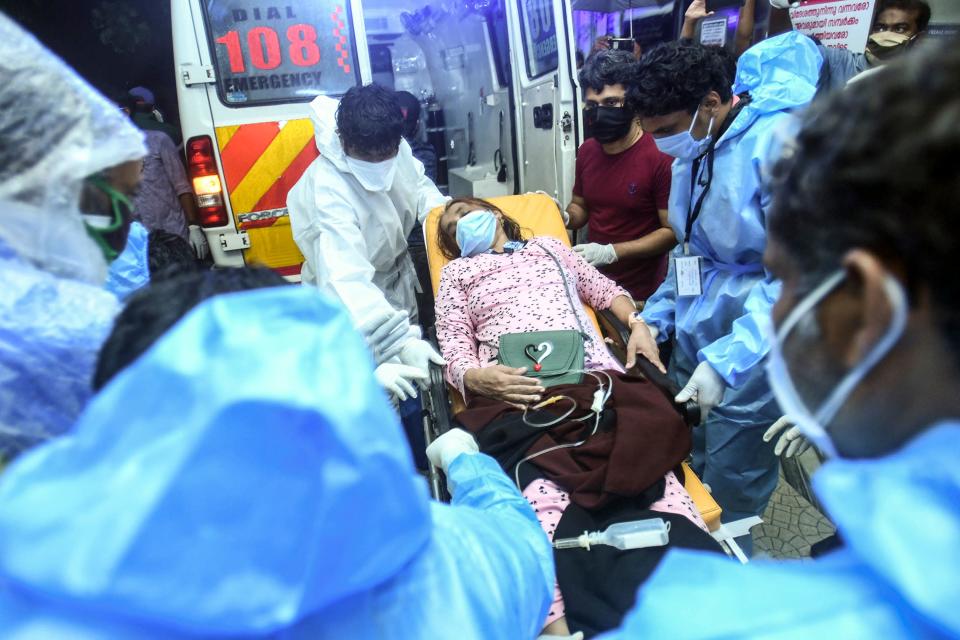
[271, 164]
[224, 134]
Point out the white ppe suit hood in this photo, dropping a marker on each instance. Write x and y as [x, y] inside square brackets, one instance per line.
[55, 130]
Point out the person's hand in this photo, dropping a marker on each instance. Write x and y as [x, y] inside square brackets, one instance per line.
[386, 334]
[705, 387]
[784, 4]
[697, 11]
[597, 254]
[643, 341]
[791, 443]
[399, 379]
[419, 354]
[448, 447]
[505, 384]
[601, 43]
[198, 240]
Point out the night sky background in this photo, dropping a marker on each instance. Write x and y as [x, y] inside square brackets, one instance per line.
[115, 44]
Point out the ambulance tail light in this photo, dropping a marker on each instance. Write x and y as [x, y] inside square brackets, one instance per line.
[202, 166]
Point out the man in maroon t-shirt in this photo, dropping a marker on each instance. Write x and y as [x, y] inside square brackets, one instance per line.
[622, 184]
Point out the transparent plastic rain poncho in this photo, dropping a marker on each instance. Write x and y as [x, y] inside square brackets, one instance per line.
[247, 476]
[54, 131]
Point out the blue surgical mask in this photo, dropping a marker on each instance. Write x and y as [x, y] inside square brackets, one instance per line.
[476, 232]
[813, 423]
[683, 145]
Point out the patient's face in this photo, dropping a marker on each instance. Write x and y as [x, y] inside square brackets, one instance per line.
[450, 218]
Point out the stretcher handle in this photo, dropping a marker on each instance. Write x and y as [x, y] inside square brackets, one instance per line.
[618, 332]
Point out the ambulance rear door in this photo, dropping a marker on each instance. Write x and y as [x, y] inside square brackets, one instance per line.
[268, 62]
[541, 43]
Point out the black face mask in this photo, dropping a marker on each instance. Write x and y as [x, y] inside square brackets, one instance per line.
[607, 124]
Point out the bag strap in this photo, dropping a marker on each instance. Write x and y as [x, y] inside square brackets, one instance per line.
[566, 290]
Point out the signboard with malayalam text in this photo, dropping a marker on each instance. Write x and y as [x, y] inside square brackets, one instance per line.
[844, 24]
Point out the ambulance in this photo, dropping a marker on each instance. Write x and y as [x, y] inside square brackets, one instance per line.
[496, 80]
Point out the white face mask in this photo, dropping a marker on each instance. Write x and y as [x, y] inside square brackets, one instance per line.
[374, 176]
[813, 424]
[683, 145]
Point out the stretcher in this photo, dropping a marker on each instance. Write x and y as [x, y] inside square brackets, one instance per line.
[537, 215]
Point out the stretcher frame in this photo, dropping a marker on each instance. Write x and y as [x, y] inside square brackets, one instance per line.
[538, 215]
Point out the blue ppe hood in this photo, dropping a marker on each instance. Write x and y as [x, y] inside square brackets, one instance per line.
[780, 73]
[241, 475]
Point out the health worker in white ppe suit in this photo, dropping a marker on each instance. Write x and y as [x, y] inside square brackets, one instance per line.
[351, 214]
[865, 356]
[69, 162]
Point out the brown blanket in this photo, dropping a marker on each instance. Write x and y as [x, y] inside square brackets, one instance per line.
[641, 437]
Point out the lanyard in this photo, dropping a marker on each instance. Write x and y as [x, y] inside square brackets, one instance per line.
[694, 210]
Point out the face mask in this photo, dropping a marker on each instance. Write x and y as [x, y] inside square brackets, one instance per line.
[110, 231]
[608, 124]
[374, 176]
[885, 45]
[476, 232]
[813, 424]
[683, 145]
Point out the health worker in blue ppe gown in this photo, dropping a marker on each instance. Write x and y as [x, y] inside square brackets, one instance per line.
[69, 160]
[865, 356]
[717, 289]
[261, 488]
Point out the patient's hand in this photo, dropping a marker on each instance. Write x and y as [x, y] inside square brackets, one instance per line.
[503, 383]
[643, 342]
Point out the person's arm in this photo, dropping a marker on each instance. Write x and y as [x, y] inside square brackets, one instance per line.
[696, 12]
[779, 22]
[655, 243]
[177, 175]
[735, 355]
[744, 36]
[335, 247]
[456, 334]
[578, 212]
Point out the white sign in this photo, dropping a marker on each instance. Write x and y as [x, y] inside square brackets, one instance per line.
[713, 32]
[844, 24]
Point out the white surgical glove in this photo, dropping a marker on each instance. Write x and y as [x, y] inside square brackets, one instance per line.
[198, 240]
[784, 4]
[705, 387]
[597, 254]
[386, 334]
[791, 443]
[399, 380]
[419, 354]
[449, 446]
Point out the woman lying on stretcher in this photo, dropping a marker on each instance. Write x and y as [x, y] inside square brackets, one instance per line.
[497, 289]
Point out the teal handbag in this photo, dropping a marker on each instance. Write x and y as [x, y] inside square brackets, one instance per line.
[553, 357]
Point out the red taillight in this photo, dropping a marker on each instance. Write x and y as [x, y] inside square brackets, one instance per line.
[202, 165]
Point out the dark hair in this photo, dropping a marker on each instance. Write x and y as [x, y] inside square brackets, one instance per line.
[154, 309]
[607, 67]
[875, 167]
[677, 76]
[169, 255]
[410, 108]
[920, 7]
[369, 120]
[448, 242]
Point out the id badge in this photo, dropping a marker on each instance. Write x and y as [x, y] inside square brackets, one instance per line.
[689, 275]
